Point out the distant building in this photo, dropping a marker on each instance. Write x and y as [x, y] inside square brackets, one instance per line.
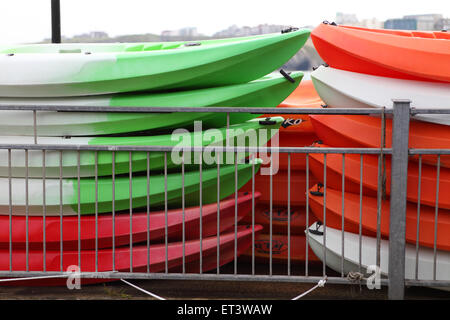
[188, 32]
[401, 24]
[425, 22]
[442, 24]
[346, 18]
[235, 31]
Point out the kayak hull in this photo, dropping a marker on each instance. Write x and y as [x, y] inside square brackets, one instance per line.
[135, 259]
[30, 72]
[345, 89]
[267, 92]
[358, 50]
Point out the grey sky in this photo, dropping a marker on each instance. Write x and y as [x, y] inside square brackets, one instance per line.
[29, 20]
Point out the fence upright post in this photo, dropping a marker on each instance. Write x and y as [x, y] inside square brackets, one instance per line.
[56, 21]
[399, 175]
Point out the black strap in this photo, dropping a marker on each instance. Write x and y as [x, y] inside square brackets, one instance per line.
[287, 76]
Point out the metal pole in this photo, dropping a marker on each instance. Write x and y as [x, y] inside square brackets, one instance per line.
[56, 21]
[400, 135]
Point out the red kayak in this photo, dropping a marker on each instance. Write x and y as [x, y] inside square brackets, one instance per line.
[370, 177]
[280, 249]
[364, 131]
[280, 187]
[122, 226]
[139, 255]
[280, 219]
[414, 55]
[369, 217]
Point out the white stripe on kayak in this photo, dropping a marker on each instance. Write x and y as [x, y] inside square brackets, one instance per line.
[345, 89]
[369, 245]
[35, 196]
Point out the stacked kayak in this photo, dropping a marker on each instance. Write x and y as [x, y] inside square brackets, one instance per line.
[266, 92]
[84, 200]
[328, 244]
[61, 70]
[357, 75]
[282, 204]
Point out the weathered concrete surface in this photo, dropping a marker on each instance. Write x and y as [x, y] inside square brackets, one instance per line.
[190, 289]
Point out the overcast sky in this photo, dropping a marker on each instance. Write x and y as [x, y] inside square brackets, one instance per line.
[24, 21]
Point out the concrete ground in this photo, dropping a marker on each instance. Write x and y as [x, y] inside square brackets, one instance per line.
[218, 290]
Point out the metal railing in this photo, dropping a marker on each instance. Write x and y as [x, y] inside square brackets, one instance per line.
[399, 154]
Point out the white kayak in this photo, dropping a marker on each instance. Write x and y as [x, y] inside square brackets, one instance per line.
[332, 250]
[345, 89]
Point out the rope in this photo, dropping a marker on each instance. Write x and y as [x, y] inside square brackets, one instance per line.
[142, 290]
[353, 276]
[320, 284]
[34, 278]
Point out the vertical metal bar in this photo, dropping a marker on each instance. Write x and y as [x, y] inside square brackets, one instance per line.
[343, 216]
[379, 205]
[148, 212]
[165, 215]
[79, 208]
[271, 216]
[436, 213]
[10, 208]
[130, 177]
[253, 215]
[44, 213]
[307, 216]
[399, 174]
[184, 213]
[419, 193]
[289, 213]
[235, 211]
[218, 212]
[361, 162]
[201, 210]
[61, 227]
[113, 204]
[35, 126]
[96, 211]
[26, 210]
[56, 21]
[324, 214]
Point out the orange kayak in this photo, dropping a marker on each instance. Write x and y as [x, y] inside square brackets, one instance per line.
[304, 96]
[294, 139]
[365, 131]
[280, 219]
[369, 217]
[370, 177]
[280, 187]
[413, 55]
[280, 249]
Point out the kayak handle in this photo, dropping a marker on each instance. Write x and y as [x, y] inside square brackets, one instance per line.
[290, 29]
[316, 231]
[287, 76]
[267, 122]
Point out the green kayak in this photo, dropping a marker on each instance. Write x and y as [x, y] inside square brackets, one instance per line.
[267, 92]
[85, 198]
[64, 70]
[252, 133]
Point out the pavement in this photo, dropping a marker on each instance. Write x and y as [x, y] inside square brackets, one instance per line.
[216, 290]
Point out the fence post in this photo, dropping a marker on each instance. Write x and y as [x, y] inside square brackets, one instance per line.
[399, 176]
[56, 21]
